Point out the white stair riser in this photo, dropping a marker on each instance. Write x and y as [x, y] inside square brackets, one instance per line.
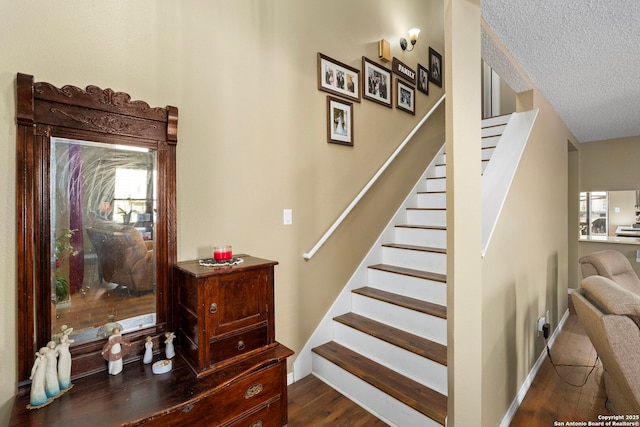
[418, 368]
[421, 237]
[492, 131]
[436, 218]
[371, 398]
[432, 200]
[421, 324]
[491, 141]
[498, 120]
[420, 260]
[483, 166]
[487, 153]
[439, 171]
[436, 184]
[414, 287]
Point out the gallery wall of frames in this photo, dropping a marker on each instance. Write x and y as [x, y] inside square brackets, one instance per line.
[374, 82]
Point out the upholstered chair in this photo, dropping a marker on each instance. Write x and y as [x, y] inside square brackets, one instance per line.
[610, 316]
[124, 258]
[612, 265]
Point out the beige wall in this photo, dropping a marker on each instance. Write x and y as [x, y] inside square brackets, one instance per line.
[525, 270]
[252, 131]
[610, 165]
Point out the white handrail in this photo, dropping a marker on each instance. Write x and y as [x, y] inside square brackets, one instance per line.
[372, 181]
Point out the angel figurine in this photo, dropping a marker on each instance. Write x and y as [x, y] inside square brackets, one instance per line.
[169, 350]
[51, 385]
[114, 350]
[38, 396]
[64, 362]
[148, 351]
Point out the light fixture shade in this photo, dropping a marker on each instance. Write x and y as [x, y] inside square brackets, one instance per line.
[413, 35]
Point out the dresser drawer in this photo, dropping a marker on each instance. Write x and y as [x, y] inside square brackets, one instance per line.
[269, 415]
[237, 344]
[252, 391]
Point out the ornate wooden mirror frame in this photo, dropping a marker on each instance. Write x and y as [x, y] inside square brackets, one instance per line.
[96, 115]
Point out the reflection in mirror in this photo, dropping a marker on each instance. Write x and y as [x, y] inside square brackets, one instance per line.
[610, 213]
[103, 213]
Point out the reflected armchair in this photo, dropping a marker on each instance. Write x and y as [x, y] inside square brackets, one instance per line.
[124, 258]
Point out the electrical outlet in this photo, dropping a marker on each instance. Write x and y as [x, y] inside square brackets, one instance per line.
[541, 322]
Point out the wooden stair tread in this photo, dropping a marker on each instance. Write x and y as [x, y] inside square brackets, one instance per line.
[415, 248]
[422, 227]
[426, 209]
[403, 301]
[437, 277]
[413, 394]
[405, 340]
[431, 192]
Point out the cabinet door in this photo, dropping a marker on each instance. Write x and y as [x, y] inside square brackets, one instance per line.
[238, 300]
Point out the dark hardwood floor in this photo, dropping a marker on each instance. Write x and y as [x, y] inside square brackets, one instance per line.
[568, 394]
[550, 398]
[313, 403]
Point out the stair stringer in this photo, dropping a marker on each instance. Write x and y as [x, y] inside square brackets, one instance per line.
[323, 333]
[499, 173]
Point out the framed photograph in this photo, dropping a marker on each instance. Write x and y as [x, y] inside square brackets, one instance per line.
[405, 97]
[339, 121]
[435, 70]
[423, 80]
[376, 85]
[338, 78]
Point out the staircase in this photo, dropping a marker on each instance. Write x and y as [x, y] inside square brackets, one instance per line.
[389, 352]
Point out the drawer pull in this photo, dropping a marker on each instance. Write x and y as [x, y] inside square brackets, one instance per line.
[187, 409]
[256, 424]
[213, 308]
[240, 345]
[253, 390]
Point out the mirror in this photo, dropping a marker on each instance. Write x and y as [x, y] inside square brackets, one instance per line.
[103, 209]
[605, 214]
[96, 220]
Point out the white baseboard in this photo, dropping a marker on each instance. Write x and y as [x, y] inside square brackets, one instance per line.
[511, 412]
[290, 378]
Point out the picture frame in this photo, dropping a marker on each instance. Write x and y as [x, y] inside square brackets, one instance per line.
[423, 79]
[405, 97]
[339, 121]
[338, 78]
[435, 67]
[376, 83]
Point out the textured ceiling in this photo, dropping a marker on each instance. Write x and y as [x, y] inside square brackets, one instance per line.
[583, 55]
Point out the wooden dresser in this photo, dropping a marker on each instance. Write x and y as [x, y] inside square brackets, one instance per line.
[249, 393]
[230, 370]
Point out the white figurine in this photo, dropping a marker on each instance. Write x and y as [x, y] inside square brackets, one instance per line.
[114, 350]
[169, 350]
[51, 385]
[38, 396]
[148, 351]
[64, 362]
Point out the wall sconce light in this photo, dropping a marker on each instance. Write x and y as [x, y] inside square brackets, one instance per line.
[413, 38]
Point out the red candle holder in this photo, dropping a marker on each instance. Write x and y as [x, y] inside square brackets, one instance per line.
[222, 252]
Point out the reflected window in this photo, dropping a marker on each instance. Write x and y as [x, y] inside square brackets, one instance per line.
[593, 213]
